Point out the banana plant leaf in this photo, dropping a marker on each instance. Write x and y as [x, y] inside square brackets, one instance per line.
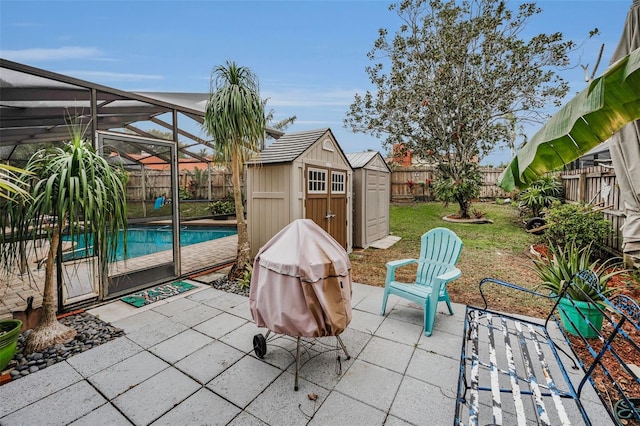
[593, 116]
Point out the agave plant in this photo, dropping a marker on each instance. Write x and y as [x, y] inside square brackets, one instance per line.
[563, 266]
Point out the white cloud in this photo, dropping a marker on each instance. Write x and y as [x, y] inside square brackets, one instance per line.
[103, 76]
[57, 54]
[308, 97]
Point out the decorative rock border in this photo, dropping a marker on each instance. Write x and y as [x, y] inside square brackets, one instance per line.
[92, 332]
[470, 220]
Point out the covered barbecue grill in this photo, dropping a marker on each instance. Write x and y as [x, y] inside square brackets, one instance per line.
[301, 286]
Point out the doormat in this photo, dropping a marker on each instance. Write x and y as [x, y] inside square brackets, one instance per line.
[154, 294]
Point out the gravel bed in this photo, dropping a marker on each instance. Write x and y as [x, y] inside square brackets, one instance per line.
[92, 332]
[230, 286]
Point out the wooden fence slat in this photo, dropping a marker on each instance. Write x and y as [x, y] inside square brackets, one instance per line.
[159, 182]
[581, 185]
[420, 175]
[586, 186]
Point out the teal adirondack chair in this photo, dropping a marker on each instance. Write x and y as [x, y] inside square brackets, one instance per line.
[439, 253]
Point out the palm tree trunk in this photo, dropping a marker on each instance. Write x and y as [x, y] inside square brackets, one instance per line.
[243, 236]
[49, 331]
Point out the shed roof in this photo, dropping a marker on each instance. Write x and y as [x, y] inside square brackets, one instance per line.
[359, 160]
[290, 146]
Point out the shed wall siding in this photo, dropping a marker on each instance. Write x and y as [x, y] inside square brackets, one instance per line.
[377, 164]
[377, 205]
[276, 192]
[316, 154]
[358, 208]
[268, 203]
[372, 186]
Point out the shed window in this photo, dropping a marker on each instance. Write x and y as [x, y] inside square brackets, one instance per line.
[327, 145]
[338, 182]
[317, 181]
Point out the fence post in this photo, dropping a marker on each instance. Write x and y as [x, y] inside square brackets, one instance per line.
[582, 187]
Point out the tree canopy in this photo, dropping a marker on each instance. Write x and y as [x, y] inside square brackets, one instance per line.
[450, 80]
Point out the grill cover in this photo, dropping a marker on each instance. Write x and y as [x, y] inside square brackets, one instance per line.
[301, 283]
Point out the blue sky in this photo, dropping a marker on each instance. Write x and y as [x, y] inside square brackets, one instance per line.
[310, 56]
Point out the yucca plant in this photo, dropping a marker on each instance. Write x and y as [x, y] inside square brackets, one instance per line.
[563, 265]
[86, 197]
[235, 120]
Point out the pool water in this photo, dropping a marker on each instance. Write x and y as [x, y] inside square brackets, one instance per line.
[143, 240]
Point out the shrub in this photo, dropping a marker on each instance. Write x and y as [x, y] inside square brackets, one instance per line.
[183, 193]
[245, 281]
[575, 223]
[459, 183]
[477, 214]
[411, 184]
[542, 193]
[220, 207]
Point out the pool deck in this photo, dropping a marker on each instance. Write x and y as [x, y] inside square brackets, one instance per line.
[195, 258]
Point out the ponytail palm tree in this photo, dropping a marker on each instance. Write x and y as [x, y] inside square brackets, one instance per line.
[10, 184]
[235, 120]
[86, 197]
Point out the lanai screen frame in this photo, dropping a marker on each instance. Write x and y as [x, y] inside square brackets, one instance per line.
[35, 105]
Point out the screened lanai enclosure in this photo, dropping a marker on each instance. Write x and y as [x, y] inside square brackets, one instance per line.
[154, 137]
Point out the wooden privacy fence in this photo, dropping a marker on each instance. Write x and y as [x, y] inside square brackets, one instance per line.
[158, 183]
[421, 177]
[597, 186]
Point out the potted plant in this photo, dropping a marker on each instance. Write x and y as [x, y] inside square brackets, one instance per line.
[580, 299]
[9, 334]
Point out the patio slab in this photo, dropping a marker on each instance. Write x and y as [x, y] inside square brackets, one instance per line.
[190, 361]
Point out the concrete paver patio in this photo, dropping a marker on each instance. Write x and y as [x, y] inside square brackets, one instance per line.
[189, 360]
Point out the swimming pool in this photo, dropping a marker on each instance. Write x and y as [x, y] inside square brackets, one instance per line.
[143, 240]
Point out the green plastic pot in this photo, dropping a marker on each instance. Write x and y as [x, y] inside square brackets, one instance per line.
[8, 341]
[571, 316]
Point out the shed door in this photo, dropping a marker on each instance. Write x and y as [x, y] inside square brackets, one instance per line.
[377, 205]
[326, 201]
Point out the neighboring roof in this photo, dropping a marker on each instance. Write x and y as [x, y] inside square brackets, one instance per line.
[290, 146]
[597, 156]
[599, 149]
[152, 162]
[35, 105]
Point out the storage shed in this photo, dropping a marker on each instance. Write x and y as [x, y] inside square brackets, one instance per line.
[371, 190]
[302, 175]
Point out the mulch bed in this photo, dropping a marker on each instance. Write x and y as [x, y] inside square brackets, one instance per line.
[628, 355]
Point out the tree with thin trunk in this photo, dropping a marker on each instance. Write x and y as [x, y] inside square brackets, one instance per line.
[448, 79]
[74, 191]
[235, 120]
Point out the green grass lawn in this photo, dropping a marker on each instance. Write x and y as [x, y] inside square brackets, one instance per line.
[499, 250]
[187, 210]
[505, 233]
